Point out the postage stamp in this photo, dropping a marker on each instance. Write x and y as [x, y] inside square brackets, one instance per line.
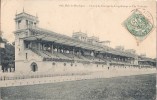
[138, 25]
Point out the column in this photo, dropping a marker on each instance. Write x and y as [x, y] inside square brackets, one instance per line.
[39, 47]
[43, 46]
[121, 59]
[52, 50]
[57, 48]
[79, 51]
[73, 51]
[30, 45]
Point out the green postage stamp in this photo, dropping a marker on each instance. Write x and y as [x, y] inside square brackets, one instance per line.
[138, 25]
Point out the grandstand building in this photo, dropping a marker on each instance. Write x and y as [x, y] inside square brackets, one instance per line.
[41, 50]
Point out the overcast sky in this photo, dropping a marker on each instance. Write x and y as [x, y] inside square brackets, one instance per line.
[103, 22]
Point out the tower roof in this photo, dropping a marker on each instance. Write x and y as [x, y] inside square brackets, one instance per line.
[26, 15]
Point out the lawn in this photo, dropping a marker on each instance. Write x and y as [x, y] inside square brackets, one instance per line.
[139, 87]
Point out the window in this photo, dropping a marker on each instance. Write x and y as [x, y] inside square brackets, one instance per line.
[31, 24]
[26, 33]
[71, 64]
[27, 23]
[53, 63]
[26, 55]
[34, 67]
[27, 45]
[19, 22]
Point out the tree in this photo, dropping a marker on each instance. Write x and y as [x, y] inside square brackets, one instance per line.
[8, 57]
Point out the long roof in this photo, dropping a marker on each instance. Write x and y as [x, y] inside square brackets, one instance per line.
[146, 59]
[46, 35]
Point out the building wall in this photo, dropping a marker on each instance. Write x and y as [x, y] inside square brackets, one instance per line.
[24, 66]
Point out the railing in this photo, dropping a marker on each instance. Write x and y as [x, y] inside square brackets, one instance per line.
[18, 77]
[46, 53]
[33, 50]
[58, 60]
[50, 54]
[15, 76]
[69, 55]
[61, 55]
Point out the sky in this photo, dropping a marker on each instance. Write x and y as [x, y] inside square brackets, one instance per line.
[62, 17]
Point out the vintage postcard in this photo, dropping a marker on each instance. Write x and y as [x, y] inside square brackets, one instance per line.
[78, 50]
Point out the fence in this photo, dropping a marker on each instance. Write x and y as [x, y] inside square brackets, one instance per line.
[20, 80]
[18, 77]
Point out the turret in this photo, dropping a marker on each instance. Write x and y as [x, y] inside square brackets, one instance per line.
[24, 21]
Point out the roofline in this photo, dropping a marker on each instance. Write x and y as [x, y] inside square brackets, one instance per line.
[100, 48]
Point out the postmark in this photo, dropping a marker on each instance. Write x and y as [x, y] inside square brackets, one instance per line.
[139, 24]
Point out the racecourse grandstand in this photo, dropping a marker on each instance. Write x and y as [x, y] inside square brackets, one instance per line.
[38, 49]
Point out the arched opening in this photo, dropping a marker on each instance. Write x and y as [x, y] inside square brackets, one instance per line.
[34, 67]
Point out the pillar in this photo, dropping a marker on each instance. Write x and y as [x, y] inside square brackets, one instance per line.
[42, 46]
[57, 48]
[73, 51]
[52, 49]
[79, 51]
[39, 46]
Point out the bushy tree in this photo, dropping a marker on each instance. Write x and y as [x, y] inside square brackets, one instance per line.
[8, 57]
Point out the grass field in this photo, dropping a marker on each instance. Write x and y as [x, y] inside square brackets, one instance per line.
[140, 87]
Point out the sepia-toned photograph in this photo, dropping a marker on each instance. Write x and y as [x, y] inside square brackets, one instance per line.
[78, 49]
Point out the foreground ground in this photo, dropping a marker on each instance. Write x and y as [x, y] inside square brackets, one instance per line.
[139, 87]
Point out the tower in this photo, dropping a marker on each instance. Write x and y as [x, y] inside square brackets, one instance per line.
[23, 22]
